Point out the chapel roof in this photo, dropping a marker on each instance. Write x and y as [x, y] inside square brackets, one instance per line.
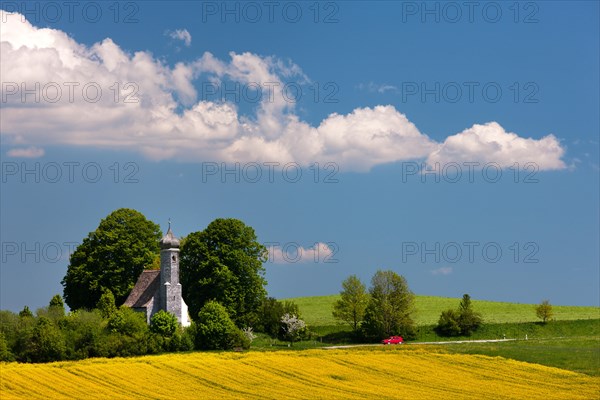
[145, 288]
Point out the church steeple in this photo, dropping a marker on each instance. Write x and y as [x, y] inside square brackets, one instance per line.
[170, 290]
[169, 241]
[168, 296]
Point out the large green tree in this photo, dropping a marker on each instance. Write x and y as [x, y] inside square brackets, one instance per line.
[111, 258]
[353, 301]
[224, 263]
[390, 307]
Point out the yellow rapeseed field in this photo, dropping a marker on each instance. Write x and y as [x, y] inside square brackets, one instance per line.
[313, 374]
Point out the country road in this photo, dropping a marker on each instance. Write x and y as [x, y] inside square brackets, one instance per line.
[417, 343]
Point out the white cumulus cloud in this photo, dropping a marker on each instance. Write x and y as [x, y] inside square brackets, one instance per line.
[26, 152]
[442, 271]
[378, 88]
[105, 97]
[491, 143]
[181, 34]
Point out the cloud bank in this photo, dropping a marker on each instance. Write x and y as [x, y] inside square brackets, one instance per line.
[147, 106]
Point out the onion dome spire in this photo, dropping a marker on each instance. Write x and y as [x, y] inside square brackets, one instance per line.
[169, 241]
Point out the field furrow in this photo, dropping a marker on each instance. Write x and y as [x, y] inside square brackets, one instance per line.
[317, 374]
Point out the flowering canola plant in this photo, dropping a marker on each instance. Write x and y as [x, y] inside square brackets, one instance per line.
[315, 374]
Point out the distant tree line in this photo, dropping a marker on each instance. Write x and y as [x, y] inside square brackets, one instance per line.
[386, 309]
[105, 331]
[51, 334]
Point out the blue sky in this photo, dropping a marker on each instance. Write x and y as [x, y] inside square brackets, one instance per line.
[507, 94]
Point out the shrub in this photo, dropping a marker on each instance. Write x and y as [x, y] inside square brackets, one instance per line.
[188, 335]
[83, 331]
[82, 334]
[19, 336]
[294, 327]
[164, 323]
[128, 322]
[248, 331]
[238, 339]
[46, 343]
[448, 324]
[9, 325]
[106, 304]
[270, 314]
[463, 321]
[5, 354]
[215, 330]
[181, 340]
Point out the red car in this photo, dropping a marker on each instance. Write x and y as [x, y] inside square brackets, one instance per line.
[393, 340]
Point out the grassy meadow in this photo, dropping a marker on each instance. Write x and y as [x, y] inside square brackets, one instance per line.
[578, 354]
[317, 310]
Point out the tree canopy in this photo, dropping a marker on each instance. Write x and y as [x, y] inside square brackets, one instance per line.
[353, 301]
[544, 311]
[390, 307]
[224, 263]
[111, 258]
[25, 312]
